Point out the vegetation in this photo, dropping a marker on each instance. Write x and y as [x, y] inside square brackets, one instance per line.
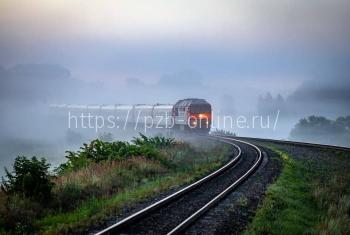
[309, 197]
[24, 195]
[223, 132]
[268, 104]
[98, 151]
[98, 181]
[157, 141]
[323, 130]
[30, 178]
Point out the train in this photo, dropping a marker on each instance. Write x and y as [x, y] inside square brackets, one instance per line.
[186, 115]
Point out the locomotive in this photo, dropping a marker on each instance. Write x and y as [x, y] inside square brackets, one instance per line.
[188, 115]
[192, 115]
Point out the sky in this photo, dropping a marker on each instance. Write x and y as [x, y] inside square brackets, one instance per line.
[230, 52]
[242, 48]
[112, 40]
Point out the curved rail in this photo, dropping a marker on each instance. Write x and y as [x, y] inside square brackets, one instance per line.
[306, 144]
[173, 196]
[220, 196]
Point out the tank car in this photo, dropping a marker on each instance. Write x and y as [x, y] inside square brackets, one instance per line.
[188, 115]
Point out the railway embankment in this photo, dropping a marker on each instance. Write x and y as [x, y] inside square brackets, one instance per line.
[311, 195]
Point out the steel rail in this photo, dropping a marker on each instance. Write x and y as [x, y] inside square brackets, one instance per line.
[305, 144]
[187, 222]
[147, 210]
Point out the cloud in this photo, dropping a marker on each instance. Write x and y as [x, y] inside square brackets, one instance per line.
[134, 83]
[41, 71]
[336, 90]
[33, 83]
[235, 42]
[2, 72]
[195, 22]
[322, 96]
[185, 79]
[314, 21]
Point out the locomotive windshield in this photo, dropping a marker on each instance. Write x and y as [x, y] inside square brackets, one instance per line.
[200, 108]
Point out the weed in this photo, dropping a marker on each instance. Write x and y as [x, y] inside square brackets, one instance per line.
[242, 201]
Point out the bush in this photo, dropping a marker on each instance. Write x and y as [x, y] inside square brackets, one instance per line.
[30, 178]
[98, 151]
[18, 214]
[223, 132]
[157, 141]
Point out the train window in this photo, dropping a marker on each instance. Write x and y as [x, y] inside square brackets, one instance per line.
[181, 111]
[200, 109]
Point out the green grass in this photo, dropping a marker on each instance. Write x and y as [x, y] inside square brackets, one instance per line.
[102, 178]
[303, 199]
[288, 207]
[136, 184]
[92, 211]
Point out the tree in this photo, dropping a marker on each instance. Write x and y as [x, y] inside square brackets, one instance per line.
[322, 130]
[30, 178]
[343, 122]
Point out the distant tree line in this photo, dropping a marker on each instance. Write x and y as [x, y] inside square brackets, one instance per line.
[268, 104]
[322, 130]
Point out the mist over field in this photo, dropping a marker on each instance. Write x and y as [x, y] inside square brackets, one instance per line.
[279, 59]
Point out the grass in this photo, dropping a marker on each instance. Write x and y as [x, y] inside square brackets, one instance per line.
[103, 178]
[94, 210]
[103, 189]
[304, 198]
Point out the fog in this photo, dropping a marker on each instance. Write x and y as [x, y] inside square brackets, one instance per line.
[280, 61]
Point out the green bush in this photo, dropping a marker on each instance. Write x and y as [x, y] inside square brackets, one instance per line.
[223, 132]
[157, 141]
[30, 178]
[99, 150]
[18, 215]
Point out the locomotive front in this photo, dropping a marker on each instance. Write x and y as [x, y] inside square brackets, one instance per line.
[192, 115]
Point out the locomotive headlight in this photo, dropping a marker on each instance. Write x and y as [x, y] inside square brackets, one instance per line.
[201, 116]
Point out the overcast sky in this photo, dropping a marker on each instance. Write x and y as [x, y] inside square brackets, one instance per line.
[114, 39]
[158, 51]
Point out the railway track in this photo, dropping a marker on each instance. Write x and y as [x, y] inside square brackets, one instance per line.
[296, 143]
[176, 212]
